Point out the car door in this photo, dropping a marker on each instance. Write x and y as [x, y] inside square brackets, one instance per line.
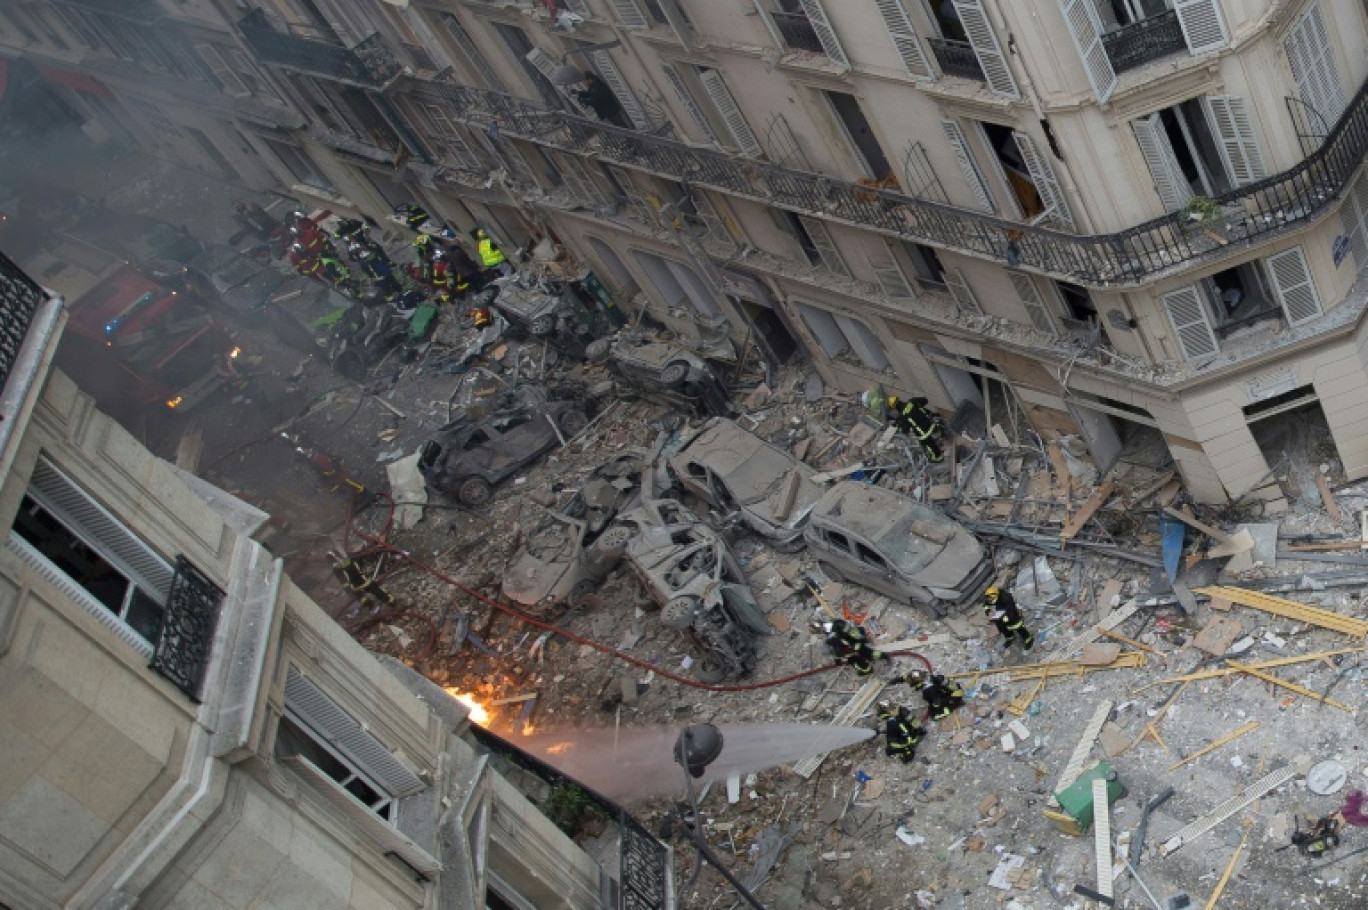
[875, 570]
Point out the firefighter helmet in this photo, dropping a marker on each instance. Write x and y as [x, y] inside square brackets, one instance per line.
[886, 709]
[915, 678]
[991, 595]
[296, 247]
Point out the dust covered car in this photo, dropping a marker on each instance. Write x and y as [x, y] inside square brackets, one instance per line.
[897, 546]
[689, 571]
[739, 473]
[663, 371]
[567, 553]
[544, 309]
[468, 457]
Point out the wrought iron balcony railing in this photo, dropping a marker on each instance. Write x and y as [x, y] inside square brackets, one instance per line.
[19, 300]
[368, 65]
[187, 633]
[144, 12]
[956, 58]
[1140, 42]
[1127, 258]
[797, 31]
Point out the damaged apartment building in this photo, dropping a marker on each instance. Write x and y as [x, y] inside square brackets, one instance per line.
[1138, 222]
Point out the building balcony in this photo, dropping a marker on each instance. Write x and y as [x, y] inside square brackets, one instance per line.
[956, 58]
[367, 65]
[1136, 256]
[378, 147]
[20, 298]
[1132, 46]
[187, 633]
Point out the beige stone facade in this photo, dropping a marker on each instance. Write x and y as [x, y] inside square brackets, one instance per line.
[181, 727]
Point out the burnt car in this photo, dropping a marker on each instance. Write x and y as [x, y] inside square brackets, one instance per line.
[741, 475]
[689, 571]
[662, 371]
[897, 546]
[468, 457]
[568, 553]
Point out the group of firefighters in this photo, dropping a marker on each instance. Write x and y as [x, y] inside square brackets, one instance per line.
[851, 645]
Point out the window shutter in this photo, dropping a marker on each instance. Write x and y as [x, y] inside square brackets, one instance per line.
[826, 34]
[826, 247]
[679, 23]
[1173, 188]
[1030, 298]
[676, 81]
[985, 44]
[960, 290]
[863, 342]
[887, 273]
[1235, 138]
[1292, 283]
[972, 175]
[472, 53]
[904, 36]
[310, 706]
[1354, 220]
[79, 511]
[1043, 176]
[825, 329]
[726, 106]
[1204, 28]
[631, 14]
[546, 65]
[232, 83]
[1085, 27]
[1312, 60]
[613, 76]
[1187, 312]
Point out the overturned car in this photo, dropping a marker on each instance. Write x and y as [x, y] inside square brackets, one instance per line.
[688, 569]
[664, 372]
[897, 546]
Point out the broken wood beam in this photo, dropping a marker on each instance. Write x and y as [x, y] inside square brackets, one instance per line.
[1127, 660]
[1328, 499]
[852, 710]
[1229, 870]
[1300, 690]
[1234, 734]
[1083, 750]
[1290, 609]
[1262, 665]
[1088, 509]
[1187, 518]
[1116, 636]
[1113, 619]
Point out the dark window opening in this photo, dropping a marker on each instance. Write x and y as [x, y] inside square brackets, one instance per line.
[1185, 126]
[1278, 402]
[946, 19]
[1128, 12]
[293, 741]
[794, 225]
[866, 555]
[926, 264]
[1241, 297]
[1078, 302]
[1002, 143]
[861, 134]
[837, 540]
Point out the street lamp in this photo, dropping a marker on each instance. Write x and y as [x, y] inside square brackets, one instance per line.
[698, 746]
[565, 74]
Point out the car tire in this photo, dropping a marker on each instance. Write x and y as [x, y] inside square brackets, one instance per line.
[473, 492]
[572, 423]
[613, 542]
[679, 613]
[710, 673]
[673, 374]
[542, 326]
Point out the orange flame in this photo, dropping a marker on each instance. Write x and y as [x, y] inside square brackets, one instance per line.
[477, 712]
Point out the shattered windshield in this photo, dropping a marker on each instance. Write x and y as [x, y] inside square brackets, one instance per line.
[915, 539]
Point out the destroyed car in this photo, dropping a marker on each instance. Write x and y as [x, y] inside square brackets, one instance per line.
[740, 474]
[689, 571]
[543, 309]
[568, 553]
[469, 456]
[897, 546]
[663, 371]
[366, 333]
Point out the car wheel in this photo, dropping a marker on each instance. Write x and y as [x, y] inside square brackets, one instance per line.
[583, 589]
[672, 374]
[679, 613]
[710, 673]
[543, 325]
[614, 540]
[474, 492]
[572, 423]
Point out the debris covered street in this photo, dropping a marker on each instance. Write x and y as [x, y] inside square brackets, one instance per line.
[1216, 653]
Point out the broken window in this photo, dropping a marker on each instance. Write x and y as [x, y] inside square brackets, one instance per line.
[861, 135]
[869, 557]
[1203, 146]
[844, 338]
[926, 264]
[813, 239]
[836, 539]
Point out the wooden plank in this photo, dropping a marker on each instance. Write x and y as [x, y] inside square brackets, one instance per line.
[1062, 478]
[1114, 619]
[1300, 690]
[857, 705]
[1088, 509]
[1290, 609]
[1102, 851]
[1083, 750]
[1328, 498]
[1115, 636]
[1263, 665]
[1229, 870]
[1187, 518]
[1202, 825]
[1234, 734]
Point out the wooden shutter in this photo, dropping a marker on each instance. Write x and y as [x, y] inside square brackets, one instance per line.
[1030, 298]
[1312, 59]
[827, 332]
[309, 705]
[631, 14]
[1292, 283]
[107, 535]
[1204, 28]
[826, 247]
[676, 80]
[1235, 138]
[887, 272]
[1043, 176]
[1187, 312]
[546, 65]
[231, 82]
[961, 292]
[863, 342]
[1085, 27]
[722, 99]
[1173, 188]
[1354, 220]
[904, 36]
[473, 55]
[985, 44]
[613, 76]
[972, 176]
[679, 23]
[826, 34]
